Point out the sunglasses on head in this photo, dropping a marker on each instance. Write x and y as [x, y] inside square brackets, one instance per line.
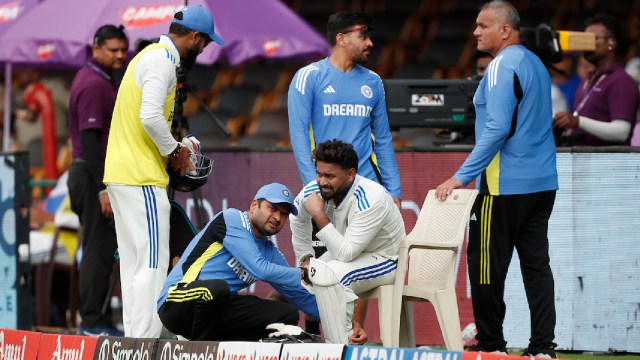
[364, 30]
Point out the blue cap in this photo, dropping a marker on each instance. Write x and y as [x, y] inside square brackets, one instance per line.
[198, 18]
[277, 194]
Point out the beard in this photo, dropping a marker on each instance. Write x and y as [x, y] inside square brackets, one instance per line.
[363, 58]
[190, 58]
[329, 192]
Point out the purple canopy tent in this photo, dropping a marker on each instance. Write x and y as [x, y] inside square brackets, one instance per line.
[10, 11]
[58, 32]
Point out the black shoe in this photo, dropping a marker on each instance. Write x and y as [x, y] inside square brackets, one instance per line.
[548, 353]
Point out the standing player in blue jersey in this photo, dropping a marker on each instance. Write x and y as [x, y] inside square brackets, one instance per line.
[337, 98]
[514, 164]
[200, 298]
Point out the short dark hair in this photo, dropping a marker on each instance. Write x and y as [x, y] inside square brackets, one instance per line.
[179, 29]
[107, 32]
[337, 152]
[613, 27]
[478, 54]
[343, 20]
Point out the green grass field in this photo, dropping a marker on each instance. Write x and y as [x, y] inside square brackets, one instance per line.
[597, 356]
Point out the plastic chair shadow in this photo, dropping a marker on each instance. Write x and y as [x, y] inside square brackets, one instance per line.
[427, 259]
[44, 282]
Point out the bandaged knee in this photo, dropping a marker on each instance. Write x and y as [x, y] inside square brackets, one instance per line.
[335, 302]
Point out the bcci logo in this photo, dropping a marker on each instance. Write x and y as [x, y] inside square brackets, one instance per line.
[366, 91]
[285, 193]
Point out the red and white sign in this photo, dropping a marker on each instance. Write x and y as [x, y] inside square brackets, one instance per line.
[248, 351]
[62, 347]
[19, 345]
[9, 11]
[45, 51]
[140, 16]
[272, 46]
[312, 351]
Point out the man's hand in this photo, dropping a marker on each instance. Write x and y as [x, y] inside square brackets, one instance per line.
[359, 336]
[565, 120]
[181, 162]
[443, 190]
[314, 205]
[105, 204]
[398, 202]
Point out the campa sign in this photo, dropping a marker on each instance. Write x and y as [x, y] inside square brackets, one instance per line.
[141, 16]
[9, 11]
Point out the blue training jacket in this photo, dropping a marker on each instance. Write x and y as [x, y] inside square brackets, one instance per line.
[515, 152]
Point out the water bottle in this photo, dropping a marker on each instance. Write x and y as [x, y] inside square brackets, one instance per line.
[116, 313]
[469, 333]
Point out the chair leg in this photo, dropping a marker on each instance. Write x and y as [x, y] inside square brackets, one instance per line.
[407, 331]
[42, 293]
[385, 301]
[446, 307]
[396, 302]
[73, 295]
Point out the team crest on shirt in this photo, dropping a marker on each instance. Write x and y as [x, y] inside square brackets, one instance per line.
[366, 91]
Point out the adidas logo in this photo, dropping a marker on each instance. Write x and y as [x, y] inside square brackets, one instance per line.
[329, 89]
[473, 217]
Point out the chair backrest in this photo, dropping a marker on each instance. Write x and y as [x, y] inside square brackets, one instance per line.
[441, 227]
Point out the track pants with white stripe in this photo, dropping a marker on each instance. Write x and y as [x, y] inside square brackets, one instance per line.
[142, 215]
[498, 225]
[363, 273]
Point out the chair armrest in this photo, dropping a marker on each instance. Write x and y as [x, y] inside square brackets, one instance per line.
[428, 245]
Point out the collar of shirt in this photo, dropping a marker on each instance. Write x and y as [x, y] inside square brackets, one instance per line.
[166, 40]
[93, 65]
[613, 67]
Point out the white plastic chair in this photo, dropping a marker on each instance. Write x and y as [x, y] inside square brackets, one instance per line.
[432, 247]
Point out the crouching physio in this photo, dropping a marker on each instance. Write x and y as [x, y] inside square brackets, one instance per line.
[200, 298]
[361, 227]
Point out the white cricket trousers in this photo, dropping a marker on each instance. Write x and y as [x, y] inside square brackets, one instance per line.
[142, 215]
[365, 272]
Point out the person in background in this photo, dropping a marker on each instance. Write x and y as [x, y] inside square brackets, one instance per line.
[514, 165]
[566, 79]
[481, 60]
[139, 147]
[607, 100]
[93, 96]
[337, 98]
